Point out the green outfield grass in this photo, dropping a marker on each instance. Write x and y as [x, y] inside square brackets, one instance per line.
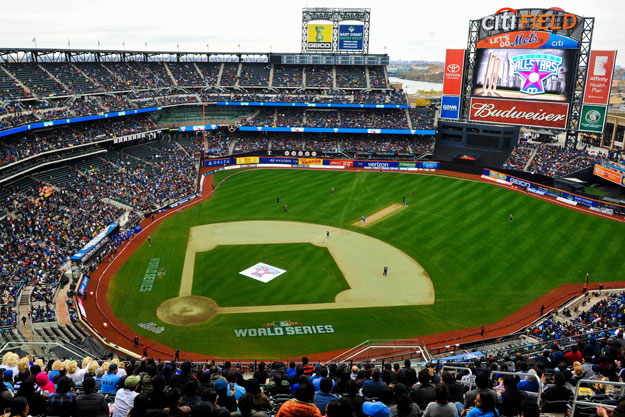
[483, 267]
[311, 275]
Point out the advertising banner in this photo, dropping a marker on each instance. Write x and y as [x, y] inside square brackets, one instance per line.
[608, 174]
[351, 37]
[450, 107]
[519, 112]
[592, 118]
[454, 66]
[599, 77]
[313, 105]
[335, 130]
[532, 74]
[320, 36]
[247, 160]
[310, 161]
[528, 39]
[407, 164]
[217, 162]
[340, 162]
[376, 164]
[83, 285]
[94, 244]
[285, 161]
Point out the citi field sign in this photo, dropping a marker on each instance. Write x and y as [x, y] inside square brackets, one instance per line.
[509, 20]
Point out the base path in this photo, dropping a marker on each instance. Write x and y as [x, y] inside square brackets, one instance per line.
[360, 258]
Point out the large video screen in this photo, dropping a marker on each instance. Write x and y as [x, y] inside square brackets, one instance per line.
[531, 74]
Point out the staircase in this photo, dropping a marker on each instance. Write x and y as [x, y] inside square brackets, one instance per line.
[239, 68]
[54, 78]
[221, 71]
[23, 310]
[18, 81]
[199, 71]
[367, 77]
[271, 75]
[531, 158]
[171, 76]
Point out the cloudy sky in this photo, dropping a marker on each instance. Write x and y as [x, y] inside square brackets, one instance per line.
[408, 30]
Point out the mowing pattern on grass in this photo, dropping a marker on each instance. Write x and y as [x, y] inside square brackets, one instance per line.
[312, 275]
[483, 267]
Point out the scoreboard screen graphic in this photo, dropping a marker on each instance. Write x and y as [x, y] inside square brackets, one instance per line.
[526, 74]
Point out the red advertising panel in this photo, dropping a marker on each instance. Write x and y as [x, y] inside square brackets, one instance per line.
[599, 77]
[519, 112]
[608, 174]
[454, 65]
[341, 162]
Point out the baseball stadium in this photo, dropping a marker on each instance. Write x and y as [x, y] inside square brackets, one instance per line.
[220, 213]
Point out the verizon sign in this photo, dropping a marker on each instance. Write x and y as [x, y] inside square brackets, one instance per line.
[516, 112]
[454, 65]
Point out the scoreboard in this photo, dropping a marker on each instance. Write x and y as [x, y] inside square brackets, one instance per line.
[305, 59]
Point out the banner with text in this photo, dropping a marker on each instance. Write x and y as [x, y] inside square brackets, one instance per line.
[519, 112]
[351, 37]
[599, 77]
[454, 65]
[592, 118]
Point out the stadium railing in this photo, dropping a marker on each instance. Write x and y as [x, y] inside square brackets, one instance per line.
[585, 402]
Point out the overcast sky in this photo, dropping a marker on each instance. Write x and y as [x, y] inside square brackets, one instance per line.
[409, 30]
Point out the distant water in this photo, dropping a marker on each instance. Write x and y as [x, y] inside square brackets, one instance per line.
[411, 87]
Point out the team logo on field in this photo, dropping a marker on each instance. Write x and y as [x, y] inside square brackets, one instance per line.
[262, 272]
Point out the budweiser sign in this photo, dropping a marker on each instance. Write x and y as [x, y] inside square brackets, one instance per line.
[517, 112]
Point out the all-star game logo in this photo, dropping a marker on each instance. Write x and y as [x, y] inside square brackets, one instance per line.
[263, 272]
[535, 70]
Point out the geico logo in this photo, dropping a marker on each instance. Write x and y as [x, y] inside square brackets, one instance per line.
[450, 107]
[319, 46]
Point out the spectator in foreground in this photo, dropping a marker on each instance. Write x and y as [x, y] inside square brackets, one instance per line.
[91, 403]
[441, 407]
[303, 403]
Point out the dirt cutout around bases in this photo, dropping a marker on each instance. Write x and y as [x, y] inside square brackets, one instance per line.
[187, 310]
[379, 215]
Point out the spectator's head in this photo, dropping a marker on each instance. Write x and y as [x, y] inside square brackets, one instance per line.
[88, 384]
[172, 399]
[253, 387]
[19, 407]
[529, 408]
[246, 404]
[339, 408]
[485, 402]
[63, 385]
[132, 382]
[482, 380]
[441, 394]
[112, 368]
[140, 405]
[231, 377]
[185, 368]
[509, 382]
[325, 385]
[448, 378]
[190, 388]
[376, 374]
[559, 379]
[424, 376]
[305, 360]
[305, 392]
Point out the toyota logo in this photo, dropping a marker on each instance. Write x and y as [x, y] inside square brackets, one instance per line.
[453, 68]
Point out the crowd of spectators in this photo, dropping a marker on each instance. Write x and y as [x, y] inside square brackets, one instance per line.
[95, 88]
[550, 160]
[347, 118]
[155, 388]
[16, 147]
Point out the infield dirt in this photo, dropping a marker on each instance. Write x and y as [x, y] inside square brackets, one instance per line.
[360, 258]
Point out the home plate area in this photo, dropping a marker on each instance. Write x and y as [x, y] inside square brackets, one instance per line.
[262, 272]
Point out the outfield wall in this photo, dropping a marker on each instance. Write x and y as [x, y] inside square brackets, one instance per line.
[560, 195]
[312, 162]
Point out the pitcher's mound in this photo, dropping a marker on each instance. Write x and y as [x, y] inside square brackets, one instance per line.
[187, 310]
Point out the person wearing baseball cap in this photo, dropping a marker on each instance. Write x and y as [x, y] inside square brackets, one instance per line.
[375, 409]
[125, 397]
